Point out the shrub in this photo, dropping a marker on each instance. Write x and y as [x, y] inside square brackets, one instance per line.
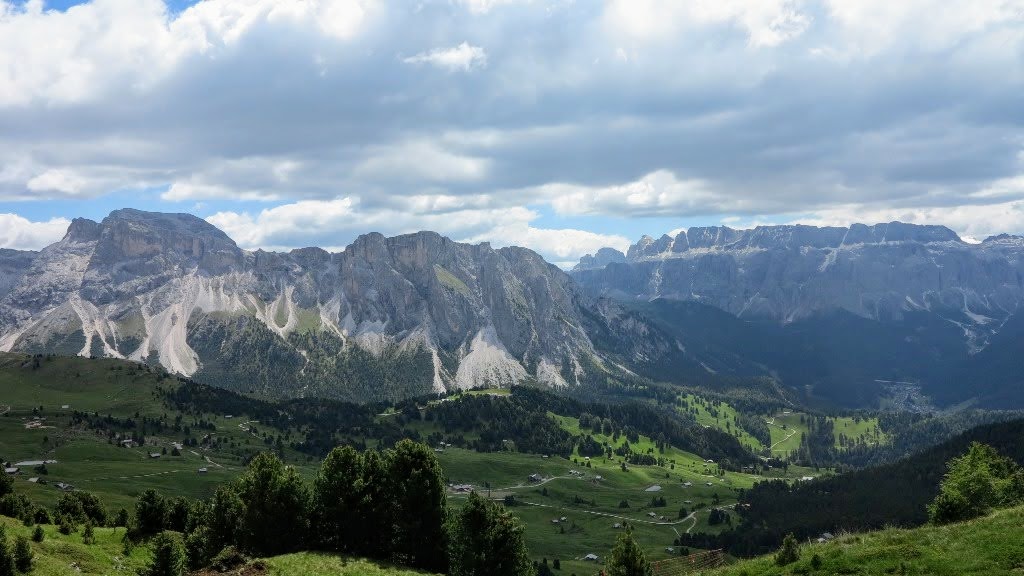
[790, 551]
[228, 559]
[977, 482]
[38, 535]
[65, 527]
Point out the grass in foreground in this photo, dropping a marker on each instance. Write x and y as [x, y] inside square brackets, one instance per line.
[314, 564]
[60, 555]
[993, 545]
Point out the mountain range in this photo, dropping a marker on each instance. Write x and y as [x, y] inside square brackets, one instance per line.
[850, 316]
[385, 318]
[849, 312]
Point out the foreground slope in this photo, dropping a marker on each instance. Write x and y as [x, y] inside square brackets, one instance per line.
[992, 546]
[66, 555]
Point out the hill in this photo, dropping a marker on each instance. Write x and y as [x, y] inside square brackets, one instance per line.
[991, 546]
[893, 494]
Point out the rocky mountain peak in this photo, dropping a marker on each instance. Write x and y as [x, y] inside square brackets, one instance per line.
[601, 258]
[83, 230]
[145, 242]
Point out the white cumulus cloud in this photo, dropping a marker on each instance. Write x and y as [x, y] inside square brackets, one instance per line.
[463, 57]
[20, 233]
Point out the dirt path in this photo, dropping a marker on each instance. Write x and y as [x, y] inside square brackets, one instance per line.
[541, 483]
[616, 516]
[164, 473]
[791, 434]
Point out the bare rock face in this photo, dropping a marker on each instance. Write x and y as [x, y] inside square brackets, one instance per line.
[600, 259]
[786, 273]
[418, 312]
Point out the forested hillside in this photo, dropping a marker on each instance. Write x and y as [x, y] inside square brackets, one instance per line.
[893, 494]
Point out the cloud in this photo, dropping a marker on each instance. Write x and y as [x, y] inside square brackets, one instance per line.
[22, 234]
[766, 23]
[334, 223]
[971, 221]
[493, 111]
[659, 193]
[55, 180]
[459, 58]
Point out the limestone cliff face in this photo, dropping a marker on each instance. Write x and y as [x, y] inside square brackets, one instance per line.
[785, 273]
[171, 288]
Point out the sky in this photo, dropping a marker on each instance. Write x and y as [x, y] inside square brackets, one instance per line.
[559, 125]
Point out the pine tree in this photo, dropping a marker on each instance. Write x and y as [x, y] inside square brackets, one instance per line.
[6, 555]
[168, 555]
[376, 513]
[22, 554]
[6, 484]
[627, 558]
[418, 494]
[275, 503]
[38, 535]
[790, 551]
[150, 512]
[338, 497]
[486, 539]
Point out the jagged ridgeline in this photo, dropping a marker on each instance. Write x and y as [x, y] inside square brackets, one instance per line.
[386, 318]
[848, 314]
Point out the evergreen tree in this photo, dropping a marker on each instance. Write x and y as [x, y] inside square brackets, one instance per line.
[376, 511]
[338, 496]
[150, 513]
[88, 535]
[485, 539]
[418, 494]
[38, 535]
[6, 554]
[627, 558]
[168, 555]
[22, 554]
[80, 506]
[275, 504]
[121, 519]
[200, 547]
[177, 514]
[790, 551]
[6, 484]
[224, 517]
